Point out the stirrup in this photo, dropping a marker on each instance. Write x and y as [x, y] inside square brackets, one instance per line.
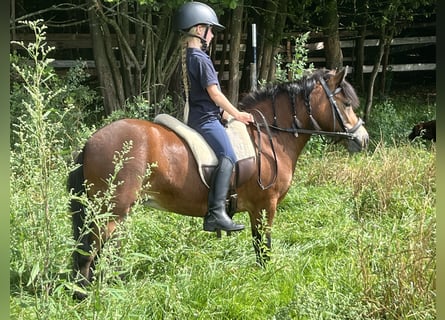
[214, 225]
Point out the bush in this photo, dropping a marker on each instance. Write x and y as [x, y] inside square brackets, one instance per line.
[392, 119]
[298, 66]
[65, 102]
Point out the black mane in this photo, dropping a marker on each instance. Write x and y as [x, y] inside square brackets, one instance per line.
[303, 86]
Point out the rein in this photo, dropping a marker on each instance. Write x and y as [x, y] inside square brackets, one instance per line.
[260, 151]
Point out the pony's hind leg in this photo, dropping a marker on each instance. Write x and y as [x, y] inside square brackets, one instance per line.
[90, 233]
[107, 231]
[85, 258]
[83, 264]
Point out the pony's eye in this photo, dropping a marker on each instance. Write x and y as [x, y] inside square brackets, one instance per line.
[347, 104]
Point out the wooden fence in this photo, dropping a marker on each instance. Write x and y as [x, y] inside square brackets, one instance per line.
[83, 45]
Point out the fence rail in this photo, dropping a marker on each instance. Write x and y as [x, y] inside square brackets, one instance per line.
[68, 41]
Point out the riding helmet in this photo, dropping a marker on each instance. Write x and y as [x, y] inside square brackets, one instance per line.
[194, 13]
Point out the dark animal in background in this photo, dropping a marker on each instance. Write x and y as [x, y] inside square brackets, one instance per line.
[425, 130]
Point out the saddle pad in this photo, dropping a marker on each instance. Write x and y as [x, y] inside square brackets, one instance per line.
[240, 139]
[204, 155]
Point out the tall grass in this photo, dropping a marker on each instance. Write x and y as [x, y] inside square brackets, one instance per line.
[392, 204]
[354, 238]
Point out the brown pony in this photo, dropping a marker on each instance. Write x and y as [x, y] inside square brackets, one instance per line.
[286, 116]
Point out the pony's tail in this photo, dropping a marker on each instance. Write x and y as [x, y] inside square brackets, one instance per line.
[76, 186]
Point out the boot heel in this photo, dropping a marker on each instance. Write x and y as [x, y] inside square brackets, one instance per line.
[209, 228]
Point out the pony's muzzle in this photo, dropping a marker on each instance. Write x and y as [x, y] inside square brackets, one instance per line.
[359, 140]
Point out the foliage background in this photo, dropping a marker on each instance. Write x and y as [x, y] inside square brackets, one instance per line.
[150, 63]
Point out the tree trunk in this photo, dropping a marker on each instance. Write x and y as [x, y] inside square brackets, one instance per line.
[106, 65]
[267, 44]
[235, 44]
[386, 52]
[149, 56]
[333, 53]
[12, 19]
[280, 22]
[360, 60]
[374, 73]
[126, 63]
[385, 62]
[167, 54]
[274, 20]
[362, 22]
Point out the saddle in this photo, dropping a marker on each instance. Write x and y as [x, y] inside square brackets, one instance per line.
[206, 158]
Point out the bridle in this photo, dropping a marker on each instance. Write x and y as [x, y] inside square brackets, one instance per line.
[297, 127]
[349, 133]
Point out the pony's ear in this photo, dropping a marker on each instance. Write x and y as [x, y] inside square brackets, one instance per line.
[340, 76]
[345, 73]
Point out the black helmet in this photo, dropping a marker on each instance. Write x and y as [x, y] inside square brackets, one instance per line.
[193, 13]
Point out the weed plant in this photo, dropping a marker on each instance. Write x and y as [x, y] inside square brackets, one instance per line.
[299, 64]
[39, 243]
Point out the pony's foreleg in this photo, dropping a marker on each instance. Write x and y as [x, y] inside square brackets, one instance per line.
[262, 247]
[261, 237]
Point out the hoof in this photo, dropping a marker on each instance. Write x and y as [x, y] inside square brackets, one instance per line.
[79, 296]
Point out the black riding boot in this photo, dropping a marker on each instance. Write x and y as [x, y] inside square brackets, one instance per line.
[216, 217]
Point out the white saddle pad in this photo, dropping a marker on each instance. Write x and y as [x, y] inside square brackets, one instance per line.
[204, 155]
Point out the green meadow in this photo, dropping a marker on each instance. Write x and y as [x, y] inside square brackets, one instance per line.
[355, 237]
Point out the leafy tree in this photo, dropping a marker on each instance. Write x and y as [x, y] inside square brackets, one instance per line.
[136, 51]
[147, 62]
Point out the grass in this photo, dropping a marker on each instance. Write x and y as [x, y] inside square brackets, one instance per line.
[354, 239]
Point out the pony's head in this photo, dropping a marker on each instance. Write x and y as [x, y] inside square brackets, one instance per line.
[320, 103]
[333, 102]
